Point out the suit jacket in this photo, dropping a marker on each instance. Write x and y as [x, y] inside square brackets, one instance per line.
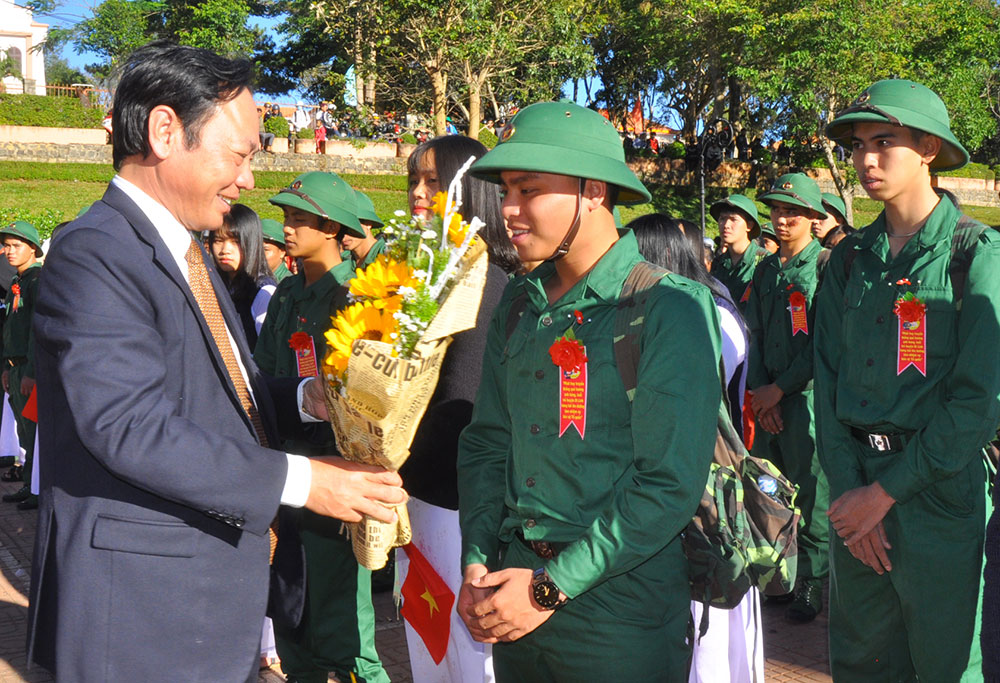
[151, 558]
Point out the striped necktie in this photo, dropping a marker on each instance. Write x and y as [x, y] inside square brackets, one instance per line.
[204, 294]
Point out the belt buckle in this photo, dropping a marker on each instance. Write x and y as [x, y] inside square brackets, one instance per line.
[880, 442]
[543, 549]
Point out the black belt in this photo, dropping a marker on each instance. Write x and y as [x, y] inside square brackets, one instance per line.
[544, 549]
[17, 360]
[883, 443]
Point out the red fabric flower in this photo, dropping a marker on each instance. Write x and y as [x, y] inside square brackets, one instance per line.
[300, 341]
[568, 354]
[910, 310]
[797, 299]
[902, 282]
[16, 289]
[579, 317]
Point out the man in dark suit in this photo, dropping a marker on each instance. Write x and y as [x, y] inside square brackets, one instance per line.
[151, 560]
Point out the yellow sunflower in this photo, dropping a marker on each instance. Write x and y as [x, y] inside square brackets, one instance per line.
[440, 202]
[357, 321]
[457, 229]
[381, 281]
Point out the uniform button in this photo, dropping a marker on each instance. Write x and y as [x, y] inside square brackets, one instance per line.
[530, 482]
[539, 374]
[534, 429]
[546, 320]
[880, 320]
[870, 362]
[864, 402]
[529, 524]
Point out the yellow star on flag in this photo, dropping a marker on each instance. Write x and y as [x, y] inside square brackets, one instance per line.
[426, 595]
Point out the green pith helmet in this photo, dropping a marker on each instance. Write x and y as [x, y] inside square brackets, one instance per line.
[563, 138]
[324, 194]
[903, 103]
[767, 230]
[273, 231]
[834, 203]
[796, 189]
[23, 230]
[366, 209]
[742, 204]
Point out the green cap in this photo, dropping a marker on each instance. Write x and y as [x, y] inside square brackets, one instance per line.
[796, 189]
[324, 194]
[767, 230]
[903, 103]
[273, 230]
[366, 209]
[563, 138]
[744, 205]
[834, 203]
[25, 231]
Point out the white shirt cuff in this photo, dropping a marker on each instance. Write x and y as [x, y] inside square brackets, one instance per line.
[303, 415]
[297, 482]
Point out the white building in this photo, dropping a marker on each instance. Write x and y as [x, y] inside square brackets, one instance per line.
[19, 33]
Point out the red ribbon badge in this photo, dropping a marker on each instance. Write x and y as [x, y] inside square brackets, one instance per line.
[16, 289]
[571, 357]
[912, 346]
[746, 294]
[305, 354]
[797, 308]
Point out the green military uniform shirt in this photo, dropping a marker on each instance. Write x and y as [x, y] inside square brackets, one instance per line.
[737, 276]
[951, 412]
[775, 355]
[373, 253]
[295, 307]
[626, 490]
[18, 336]
[281, 272]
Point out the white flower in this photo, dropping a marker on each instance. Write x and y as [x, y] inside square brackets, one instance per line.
[428, 234]
[399, 212]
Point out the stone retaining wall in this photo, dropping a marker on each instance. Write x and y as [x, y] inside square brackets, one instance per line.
[292, 163]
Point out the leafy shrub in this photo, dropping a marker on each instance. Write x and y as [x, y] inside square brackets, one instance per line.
[306, 134]
[488, 139]
[408, 138]
[277, 125]
[45, 220]
[676, 150]
[972, 170]
[50, 112]
[75, 172]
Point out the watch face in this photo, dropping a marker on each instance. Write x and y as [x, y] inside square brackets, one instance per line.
[546, 594]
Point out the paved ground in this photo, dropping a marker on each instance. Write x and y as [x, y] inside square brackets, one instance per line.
[793, 653]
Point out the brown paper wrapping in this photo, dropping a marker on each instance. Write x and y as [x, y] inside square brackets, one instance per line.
[375, 420]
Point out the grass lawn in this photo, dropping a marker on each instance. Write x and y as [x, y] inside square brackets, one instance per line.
[49, 193]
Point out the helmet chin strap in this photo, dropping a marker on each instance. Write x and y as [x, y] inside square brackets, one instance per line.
[567, 241]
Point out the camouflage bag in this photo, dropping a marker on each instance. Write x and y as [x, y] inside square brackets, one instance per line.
[745, 530]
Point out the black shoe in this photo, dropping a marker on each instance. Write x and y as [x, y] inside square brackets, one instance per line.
[29, 503]
[783, 599]
[808, 602]
[18, 496]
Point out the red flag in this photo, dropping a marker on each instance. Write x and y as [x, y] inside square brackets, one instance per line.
[427, 603]
[30, 409]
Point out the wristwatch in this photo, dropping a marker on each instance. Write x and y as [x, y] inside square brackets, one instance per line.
[545, 592]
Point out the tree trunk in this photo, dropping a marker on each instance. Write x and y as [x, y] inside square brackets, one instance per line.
[735, 95]
[359, 64]
[439, 95]
[370, 76]
[846, 191]
[493, 101]
[474, 82]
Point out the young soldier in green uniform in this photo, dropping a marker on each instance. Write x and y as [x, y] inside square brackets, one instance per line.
[907, 380]
[571, 497]
[337, 632]
[274, 248]
[779, 374]
[364, 250]
[739, 227]
[22, 247]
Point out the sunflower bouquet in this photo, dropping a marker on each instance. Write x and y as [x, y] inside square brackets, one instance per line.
[386, 347]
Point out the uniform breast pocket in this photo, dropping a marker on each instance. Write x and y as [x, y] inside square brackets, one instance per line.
[854, 296]
[941, 321]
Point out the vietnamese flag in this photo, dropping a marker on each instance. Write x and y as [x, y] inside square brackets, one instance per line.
[30, 409]
[427, 603]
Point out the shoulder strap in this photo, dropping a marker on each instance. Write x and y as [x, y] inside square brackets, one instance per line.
[629, 317]
[967, 233]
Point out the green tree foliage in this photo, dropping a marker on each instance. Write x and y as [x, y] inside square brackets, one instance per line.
[59, 72]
